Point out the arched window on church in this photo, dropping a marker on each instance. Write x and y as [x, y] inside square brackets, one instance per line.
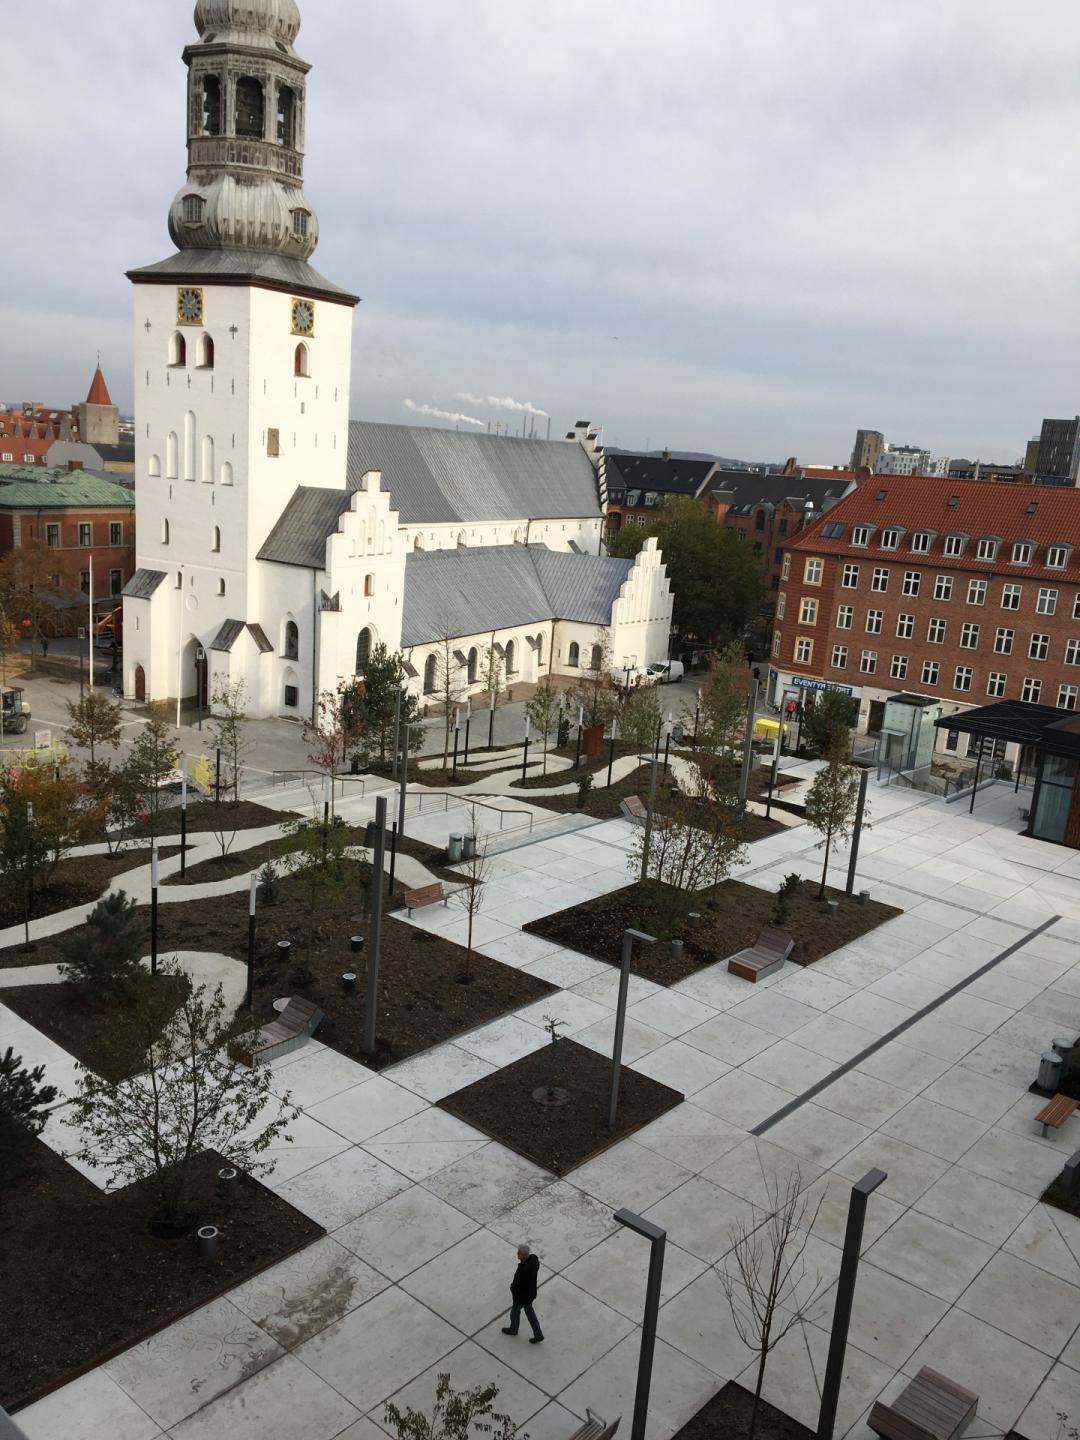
[208, 460]
[363, 651]
[596, 658]
[286, 116]
[250, 108]
[573, 658]
[155, 465]
[462, 540]
[190, 431]
[301, 361]
[172, 453]
[474, 658]
[177, 349]
[204, 352]
[369, 584]
[511, 650]
[211, 106]
[429, 675]
[292, 640]
[226, 473]
[215, 539]
[164, 532]
[418, 543]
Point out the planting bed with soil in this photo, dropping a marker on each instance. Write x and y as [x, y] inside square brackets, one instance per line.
[552, 1106]
[84, 1278]
[727, 1417]
[732, 916]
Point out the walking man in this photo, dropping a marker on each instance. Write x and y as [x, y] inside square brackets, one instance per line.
[522, 1295]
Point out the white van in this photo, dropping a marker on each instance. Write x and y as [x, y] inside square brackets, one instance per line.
[665, 672]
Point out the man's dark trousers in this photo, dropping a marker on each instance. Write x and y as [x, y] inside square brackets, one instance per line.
[523, 1293]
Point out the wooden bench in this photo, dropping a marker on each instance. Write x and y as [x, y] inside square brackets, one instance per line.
[782, 785]
[767, 954]
[296, 1023]
[634, 808]
[594, 1428]
[1055, 1112]
[425, 895]
[931, 1407]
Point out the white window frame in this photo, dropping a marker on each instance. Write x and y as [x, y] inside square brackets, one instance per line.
[785, 567]
[986, 549]
[1022, 552]
[954, 546]
[1046, 602]
[1067, 692]
[976, 592]
[874, 621]
[962, 678]
[1031, 690]
[804, 650]
[931, 671]
[1039, 646]
[839, 657]
[995, 684]
[1072, 652]
[868, 662]
[936, 629]
[1057, 557]
[849, 579]
[898, 667]
[860, 536]
[1004, 639]
[905, 627]
[943, 587]
[890, 538]
[813, 570]
[912, 582]
[781, 604]
[969, 635]
[845, 617]
[1011, 595]
[808, 610]
[920, 542]
[879, 580]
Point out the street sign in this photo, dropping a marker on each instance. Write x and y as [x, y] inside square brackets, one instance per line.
[43, 740]
[803, 684]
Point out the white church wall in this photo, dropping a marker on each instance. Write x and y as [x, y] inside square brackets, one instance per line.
[366, 571]
[641, 616]
[555, 534]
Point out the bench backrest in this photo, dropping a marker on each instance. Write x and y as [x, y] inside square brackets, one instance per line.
[426, 892]
[773, 939]
[300, 1013]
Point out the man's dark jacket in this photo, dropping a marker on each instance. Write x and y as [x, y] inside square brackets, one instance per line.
[523, 1285]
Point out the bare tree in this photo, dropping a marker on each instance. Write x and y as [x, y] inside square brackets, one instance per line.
[448, 683]
[543, 712]
[228, 729]
[494, 681]
[474, 872]
[328, 737]
[764, 1276]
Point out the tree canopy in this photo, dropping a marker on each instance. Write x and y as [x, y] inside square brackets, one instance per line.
[717, 581]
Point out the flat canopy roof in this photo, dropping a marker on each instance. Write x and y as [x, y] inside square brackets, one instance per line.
[1020, 722]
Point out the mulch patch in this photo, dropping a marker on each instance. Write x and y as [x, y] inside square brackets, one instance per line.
[1058, 1194]
[84, 1278]
[77, 880]
[732, 916]
[422, 1000]
[560, 1137]
[88, 1024]
[727, 1417]
[235, 862]
[203, 815]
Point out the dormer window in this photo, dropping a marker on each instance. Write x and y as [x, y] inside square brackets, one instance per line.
[986, 548]
[194, 209]
[860, 535]
[1057, 557]
[301, 220]
[890, 538]
[1022, 552]
[954, 544]
[920, 542]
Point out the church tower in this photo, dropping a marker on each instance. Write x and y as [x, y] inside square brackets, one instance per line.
[242, 356]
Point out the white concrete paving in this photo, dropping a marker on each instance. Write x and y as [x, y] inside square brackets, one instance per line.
[963, 1267]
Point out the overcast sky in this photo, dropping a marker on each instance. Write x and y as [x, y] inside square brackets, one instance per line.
[742, 226]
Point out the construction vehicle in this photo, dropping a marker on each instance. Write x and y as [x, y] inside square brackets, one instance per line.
[14, 711]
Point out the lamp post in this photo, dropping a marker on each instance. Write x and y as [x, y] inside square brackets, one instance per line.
[183, 815]
[397, 735]
[580, 727]
[249, 998]
[859, 808]
[748, 743]
[82, 636]
[404, 779]
[845, 1295]
[525, 756]
[668, 725]
[774, 765]
[611, 752]
[376, 926]
[657, 1239]
[457, 731]
[153, 909]
[629, 936]
[200, 661]
[648, 822]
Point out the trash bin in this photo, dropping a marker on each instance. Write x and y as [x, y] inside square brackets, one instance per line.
[1049, 1071]
[453, 849]
[469, 849]
[676, 949]
[1065, 1049]
[208, 1242]
[348, 982]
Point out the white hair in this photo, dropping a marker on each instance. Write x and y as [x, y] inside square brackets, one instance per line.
[524, 1250]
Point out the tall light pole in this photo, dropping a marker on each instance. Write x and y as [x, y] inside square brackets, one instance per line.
[845, 1295]
[379, 849]
[629, 936]
[657, 1239]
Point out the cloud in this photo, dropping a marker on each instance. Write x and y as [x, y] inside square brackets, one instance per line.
[432, 412]
[493, 402]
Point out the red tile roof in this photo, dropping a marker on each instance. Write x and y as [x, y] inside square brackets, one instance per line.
[99, 391]
[1045, 515]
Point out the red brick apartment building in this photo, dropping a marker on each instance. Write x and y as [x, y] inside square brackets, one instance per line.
[962, 590]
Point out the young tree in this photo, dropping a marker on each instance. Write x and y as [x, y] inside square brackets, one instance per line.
[697, 551]
[196, 1092]
[25, 585]
[457, 1415]
[543, 712]
[42, 817]
[376, 700]
[833, 800]
[8, 636]
[449, 686]
[105, 956]
[831, 715]
[765, 1279]
[152, 760]
[595, 693]
[474, 872]
[24, 1108]
[641, 718]
[328, 737]
[229, 733]
[722, 728]
[316, 854]
[494, 674]
[94, 723]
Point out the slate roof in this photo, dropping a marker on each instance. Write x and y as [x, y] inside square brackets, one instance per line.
[751, 487]
[230, 632]
[33, 487]
[99, 391]
[143, 584]
[241, 267]
[653, 474]
[1044, 515]
[299, 537]
[438, 477]
[496, 587]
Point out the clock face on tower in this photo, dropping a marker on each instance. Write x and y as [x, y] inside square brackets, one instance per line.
[189, 305]
[303, 317]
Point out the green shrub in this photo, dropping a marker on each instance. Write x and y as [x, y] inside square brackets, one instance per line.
[106, 954]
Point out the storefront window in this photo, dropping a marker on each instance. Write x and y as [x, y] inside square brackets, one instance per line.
[1055, 796]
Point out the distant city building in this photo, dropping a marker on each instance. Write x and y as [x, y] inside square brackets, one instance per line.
[1031, 455]
[1058, 458]
[868, 446]
[90, 435]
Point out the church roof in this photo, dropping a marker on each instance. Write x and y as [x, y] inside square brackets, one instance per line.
[99, 391]
[299, 537]
[439, 477]
[243, 267]
[494, 587]
[143, 584]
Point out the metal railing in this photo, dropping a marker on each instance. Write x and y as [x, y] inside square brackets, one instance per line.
[466, 802]
[305, 776]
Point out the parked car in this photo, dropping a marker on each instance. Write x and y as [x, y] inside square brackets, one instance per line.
[632, 678]
[665, 672]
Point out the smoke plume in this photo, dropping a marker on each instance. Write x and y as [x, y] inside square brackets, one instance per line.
[504, 402]
[434, 413]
